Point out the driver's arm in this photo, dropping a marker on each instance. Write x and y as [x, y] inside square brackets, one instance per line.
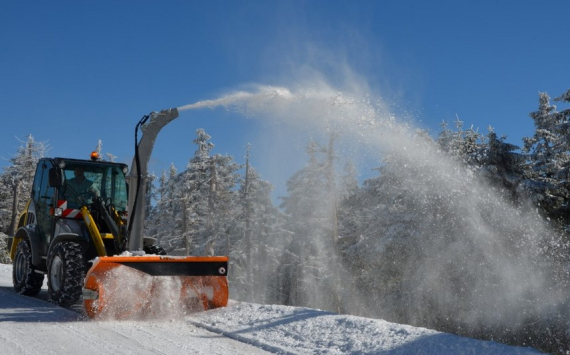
[94, 190]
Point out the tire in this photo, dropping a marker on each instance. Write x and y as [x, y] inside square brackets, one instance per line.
[26, 280]
[66, 273]
[154, 249]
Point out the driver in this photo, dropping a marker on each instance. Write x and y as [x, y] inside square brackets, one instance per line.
[78, 186]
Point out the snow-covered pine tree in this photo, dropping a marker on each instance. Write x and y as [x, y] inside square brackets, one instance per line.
[18, 178]
[546, 176]
[548, 167]
[564, 173]
[151, 218]
[4, 252]
[207, 197]
[501, 165]
[307, 270]
[349, 207]
[224, 201]
[163, 224]
[492, 158]
[256, 242]
[6, 199]
[191, 197]
[465, 145]
[349, 220]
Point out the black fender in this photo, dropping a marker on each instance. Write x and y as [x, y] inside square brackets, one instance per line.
[29, 233]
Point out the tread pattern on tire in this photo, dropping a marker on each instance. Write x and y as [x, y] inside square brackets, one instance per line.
[73, 273]
[30, 282]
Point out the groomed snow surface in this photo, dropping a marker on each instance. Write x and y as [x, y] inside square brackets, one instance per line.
[32, 325]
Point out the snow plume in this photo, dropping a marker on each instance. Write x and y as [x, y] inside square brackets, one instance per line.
[321, 105]
[130, 294]
[441, 249]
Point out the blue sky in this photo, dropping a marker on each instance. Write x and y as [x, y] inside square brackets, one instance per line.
[75, 72]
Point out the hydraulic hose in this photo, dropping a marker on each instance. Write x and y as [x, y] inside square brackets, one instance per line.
[137, 162]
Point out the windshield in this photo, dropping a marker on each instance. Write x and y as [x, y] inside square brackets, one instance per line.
[85, 182]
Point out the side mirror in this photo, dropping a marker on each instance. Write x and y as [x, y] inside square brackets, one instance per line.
[56, 177]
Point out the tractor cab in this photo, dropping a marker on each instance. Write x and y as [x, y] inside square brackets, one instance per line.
[59, 193]
[79, 182]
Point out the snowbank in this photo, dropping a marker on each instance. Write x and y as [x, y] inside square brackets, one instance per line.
[294, 330]
[34, 326]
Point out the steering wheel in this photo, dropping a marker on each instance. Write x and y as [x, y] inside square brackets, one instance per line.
[80, 198]
[88, 194]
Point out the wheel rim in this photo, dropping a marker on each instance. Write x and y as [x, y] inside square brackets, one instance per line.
[55, 273]
[20, 267]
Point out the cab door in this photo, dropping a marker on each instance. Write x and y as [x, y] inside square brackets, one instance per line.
[44, 200]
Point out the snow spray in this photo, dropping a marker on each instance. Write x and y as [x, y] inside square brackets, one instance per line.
[132, 295]
[476, 262]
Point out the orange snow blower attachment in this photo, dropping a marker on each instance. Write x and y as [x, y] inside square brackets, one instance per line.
[127, 287]
[137, 283]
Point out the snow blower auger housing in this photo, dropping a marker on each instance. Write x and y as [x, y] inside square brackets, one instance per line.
[83, 228]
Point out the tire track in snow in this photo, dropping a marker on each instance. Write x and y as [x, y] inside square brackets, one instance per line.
[246, 340]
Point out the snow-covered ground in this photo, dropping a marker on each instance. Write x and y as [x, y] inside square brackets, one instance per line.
[34, 326]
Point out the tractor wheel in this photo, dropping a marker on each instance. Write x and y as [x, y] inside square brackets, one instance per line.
[26, 280]
[154, 249]
[66, 273]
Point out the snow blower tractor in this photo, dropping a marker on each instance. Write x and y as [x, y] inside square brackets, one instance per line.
[83, 228]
